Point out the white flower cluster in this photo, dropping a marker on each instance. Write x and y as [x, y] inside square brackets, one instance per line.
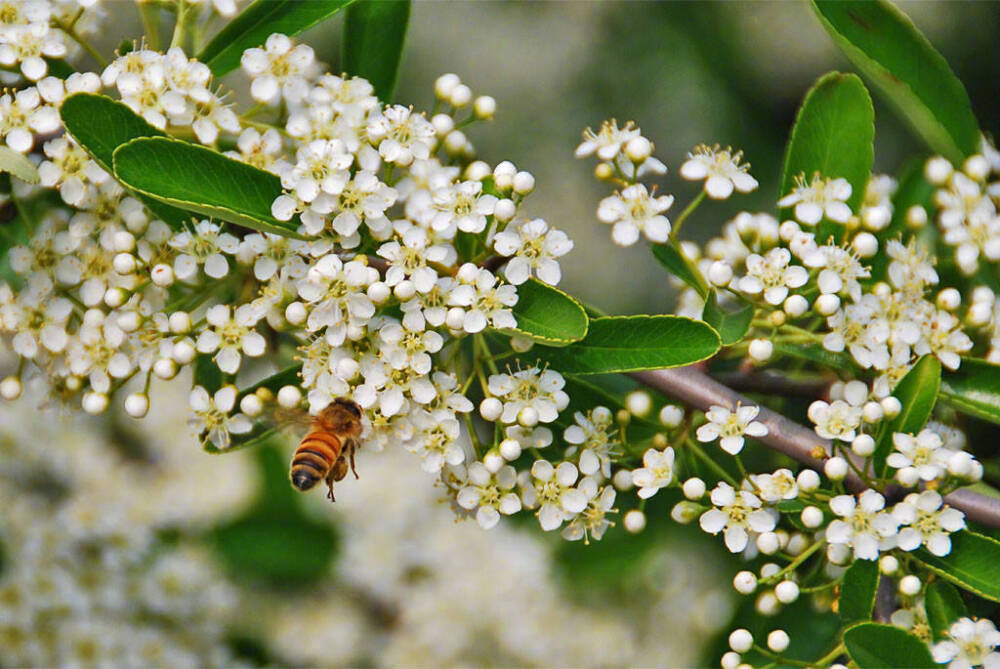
[31, 32]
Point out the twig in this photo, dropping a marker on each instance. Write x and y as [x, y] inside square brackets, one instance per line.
[695, 388]
[770, 383]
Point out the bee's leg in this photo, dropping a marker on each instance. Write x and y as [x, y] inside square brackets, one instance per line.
[329, 494]
[353, 470]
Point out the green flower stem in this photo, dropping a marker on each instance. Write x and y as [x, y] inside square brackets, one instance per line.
[75, 36]
[780, 659]
[794, 564]
[151, 24]
[181, 25]
[699, 452]
[828, 659]
[676, 227]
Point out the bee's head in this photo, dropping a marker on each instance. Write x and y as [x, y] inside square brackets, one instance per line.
[350, 405]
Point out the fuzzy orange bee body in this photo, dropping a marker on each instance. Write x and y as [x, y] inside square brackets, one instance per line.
[328, 447]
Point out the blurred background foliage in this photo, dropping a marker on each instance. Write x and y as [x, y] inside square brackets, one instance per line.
[385, 577]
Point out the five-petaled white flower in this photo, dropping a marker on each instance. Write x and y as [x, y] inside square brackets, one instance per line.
[970, 643]
[738, 512]
[924, 453]
[927, 522]
[212, 415]
[489, 495]
[818, 198]
[729, 427]
[835, 420]
[772, 275]
[230, 334]
[552, 490]
[657, 471]
[635, 210]
[721, 170]
[865, 526]
[534, 246]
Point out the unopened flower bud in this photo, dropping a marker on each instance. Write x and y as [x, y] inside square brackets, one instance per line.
[460, 96]
[162, 275]
[622, 480]
[404, 290]
[95, 403]
[787, 592]
[639, 403]
[761, 350]
[115, 297]
[910, 585]
[251, 405]
[455, 318]
[378, 292]
[741, 640]
[828, 304]
[490, 409]
[527, 417]
[445, 85]
[720, 273]
[807, 480]
[289, 397]
[778, 641]
[745, 582]
[137, 405]
[638, 149]
[938, 170]
[684, 512]
[812, 517]
[949, 299]
[165, 368]
[510, 449]
[124, 263]
[524, 183]
[866, 244]
[505, 210]
[863, 445]
[891, 406]
[835, 468]
[296, 314]
[443, 124]
[634, 521]
[183, 352]
[693, 488]
[129, 321]
[11, 388]
[521, 344]
[485, 107]
[493, 461]
[888, 565]
[123, 241]
[796, 305]
[976, 167]
[767, 543]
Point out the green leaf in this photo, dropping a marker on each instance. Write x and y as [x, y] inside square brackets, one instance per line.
[972, 564]
[944, 606]
[889, 50]
[917, 392]
[374, 32]
[100, 125]
[257, 22]
[834, 135]
[18, 165]
[974, 388]
[207, 373]
[287, 376]
[681, 267]
[816, 354]
[857, 592]
[731, 325]
[633, 343]
[875, 646]
[203, 181]
[548, 315]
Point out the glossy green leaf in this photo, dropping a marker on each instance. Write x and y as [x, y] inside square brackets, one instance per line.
[206, 373]
[203, 181]
[374, 32]
[889, 50]
[944, 606]
[973, 564]
[548, 315]
[917, 392]
[100, 125]
[834, 135]
[732, 324]
[18, 165]
[858, 590]
[876, 646]
[974, 388]
[681, 267]
[257, 22]
[288, 376]
[634, 343]
[816, 354]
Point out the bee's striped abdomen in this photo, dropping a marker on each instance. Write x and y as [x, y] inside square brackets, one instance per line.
[313, 459]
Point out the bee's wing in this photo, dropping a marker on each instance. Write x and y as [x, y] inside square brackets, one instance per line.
[296, 421]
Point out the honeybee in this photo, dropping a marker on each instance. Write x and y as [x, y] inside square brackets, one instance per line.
[327, 449]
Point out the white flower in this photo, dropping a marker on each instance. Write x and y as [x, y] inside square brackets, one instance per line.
[721, 170]
[925, 522]
[737, 513]
[970, 643]
[551, 490]
[772, 275]
[362, 199]
[923, 453]
[22, 115]
[489, 495]
[529, 388]
[635, 210]
[943, 336]
[730, 427]
[400, 135]
[657, 472]
[486, 302]
[865, 527]
[205, 245]
[818, 198]
[534, 246]
[835, 420]
[911, 267]
[593, 520]
[230, 334]
[212, 417]
[409, 256]
[607, 141]
[462, 206]
[335, 294]
[279, 70]
[403, 347]
[436, 439]
[591, 435]
[840, 271]
[865, 336]
[256, 149]
[876, 208]
[534, 437]
[775, 487]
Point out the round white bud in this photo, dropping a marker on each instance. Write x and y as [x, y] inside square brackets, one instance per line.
[95, 403]
[960, 464]
[348, 368]
[115, 297]
[378, 292]
[812, 517]
[634, 521]
[796, 305]
[745, 582]
[788, 230]
[891, 406]
[979, 313]
[527, 417]
[638, 149]
[863, 445]
[11, 388]
[888, 565]
[761, 350]
[165, 368]
[916, 217]
[510, 449]
[179, 322]
[730, 660]
[835, 468]
[778, 641]
[521, 344]
[460, 96]
[787, 592]
[445, 85]
[866, 244]
[908, 476]
[505, 210]
[976, 473]
[124, 263]
[720, 273]
[296, 314]
[443, 124]
[910, 585]
[137, 405]
[685, 512]
[797, 543]
[976, 167]
[477, 170]
[454, 142]
[769, 569]
[289, 397]
[622, 480]
[404, 290]
[524, 183]
[938, 170]
[741, 640]
[872, 412]
[767, 604]
[693, 488]
[855, 392]
[828, 304]
[490, 409]
[251, 405]
[455, 318]
[129, 321]
[123, 241]
[493, 461]
[639, 403]
[183, 352]
[485, 107]
[162, 275]
[671, 415]
[949, 299]
[807, 480]
[767, 543]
